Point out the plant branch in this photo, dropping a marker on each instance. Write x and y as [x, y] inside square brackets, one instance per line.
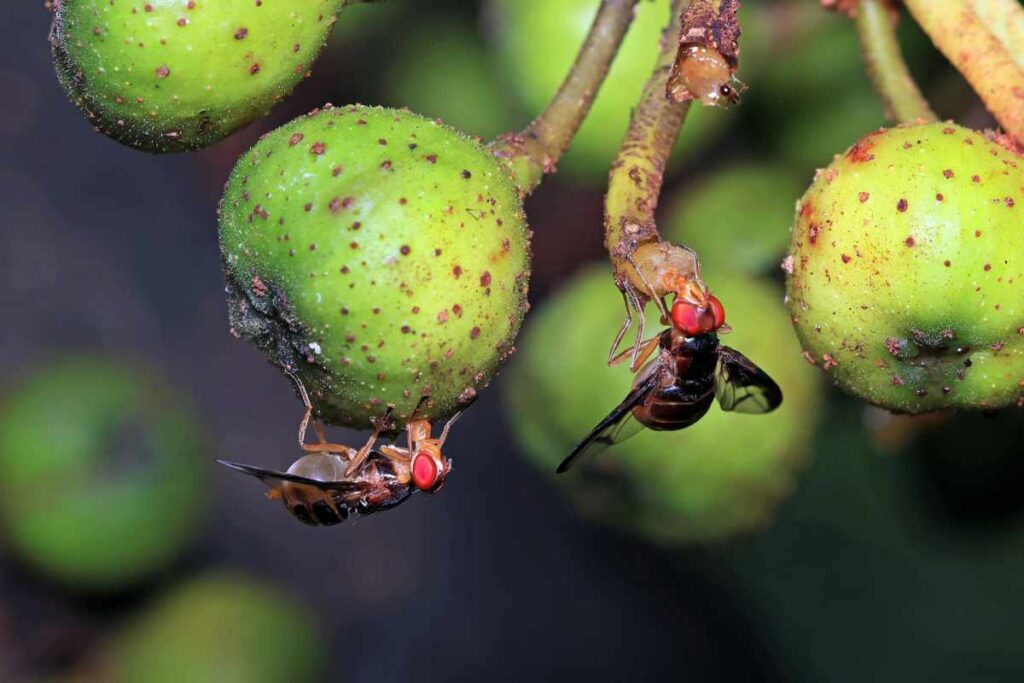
[537, 149]
[1005, 19]
[903, 100]
[979, 55]
[640, 259]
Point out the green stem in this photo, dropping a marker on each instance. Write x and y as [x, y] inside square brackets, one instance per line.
[537, 149]
[978, 54]
[636, 177]
[903, 100]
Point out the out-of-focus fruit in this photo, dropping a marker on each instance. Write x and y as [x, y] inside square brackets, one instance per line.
[219, 628]
[445, 71]
[538, 41]
[171, 76]
[738, 218]
[903, 281]
[723, 476]
[381, 255]
[101, 479]
[870, 546]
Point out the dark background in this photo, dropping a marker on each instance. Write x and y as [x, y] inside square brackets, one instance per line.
[107, 250]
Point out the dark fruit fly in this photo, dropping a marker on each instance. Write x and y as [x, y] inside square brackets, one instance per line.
[677, 388]
[333, 482]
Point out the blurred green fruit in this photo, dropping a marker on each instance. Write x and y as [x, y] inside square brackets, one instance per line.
[738, 218]
[810, 138]
[219, 628]
[902, 275]
[118, 456]
[866, 578]
[445, 71]
[360, 21]
[171, 75]
[538, 41]
[723, 476]
[382, 255]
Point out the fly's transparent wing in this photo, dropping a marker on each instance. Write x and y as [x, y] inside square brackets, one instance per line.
[618, 426]
[743, 387]
[274, 479]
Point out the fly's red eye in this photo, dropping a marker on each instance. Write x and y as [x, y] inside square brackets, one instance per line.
[688, 318]
[717, 311]
[424, 472]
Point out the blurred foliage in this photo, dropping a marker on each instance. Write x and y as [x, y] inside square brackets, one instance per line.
[445, 71]
[100, 473]
[736, 218]
[723, 476]
[218, 628]
[520, 25]
[897, 568]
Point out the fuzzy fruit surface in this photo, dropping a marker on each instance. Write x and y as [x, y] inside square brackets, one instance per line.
[178, 75]
[382, 255]
[905, 274]
[725, 475]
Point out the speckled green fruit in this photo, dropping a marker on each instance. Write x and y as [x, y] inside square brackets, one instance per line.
[905, 276]
[219, 628]
[738, 218]
[383, 255]
[101, 480]
[520, 26]
[724, 476]
[178, 75]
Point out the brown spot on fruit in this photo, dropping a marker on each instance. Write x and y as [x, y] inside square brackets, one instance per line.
[861, 152]
[318, 148]
[295, 139]
[241, 33]
[474, 333]
[813, 230]
[163, 71]
[901, 205]
[909, 241]
[864, 196]
[485, 279]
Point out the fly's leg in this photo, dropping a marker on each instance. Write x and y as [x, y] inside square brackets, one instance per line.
[322, 446]
[447, 427]
[622, 330]
[652, 293]
[364, 452]
[647, 347]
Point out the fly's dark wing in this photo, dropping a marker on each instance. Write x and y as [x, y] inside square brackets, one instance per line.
[743, 387]
[275, 479]
[617, 427]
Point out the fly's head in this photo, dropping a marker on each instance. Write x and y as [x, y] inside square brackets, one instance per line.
[694, 319]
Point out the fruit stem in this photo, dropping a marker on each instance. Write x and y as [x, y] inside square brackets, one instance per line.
[536, 150]
[903, 100]
[978, 54]
[637, 174]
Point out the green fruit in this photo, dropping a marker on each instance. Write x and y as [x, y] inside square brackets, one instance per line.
[538, 41]
[869, 547]
[177, 75]
[810, 137]
[903, 281]
[119, 458]
[737, 218]
[382, 255]
[723, 476]
[444, 70]
[222, 628]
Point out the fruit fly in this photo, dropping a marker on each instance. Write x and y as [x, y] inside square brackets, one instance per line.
[677, 387]
[333, 482]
